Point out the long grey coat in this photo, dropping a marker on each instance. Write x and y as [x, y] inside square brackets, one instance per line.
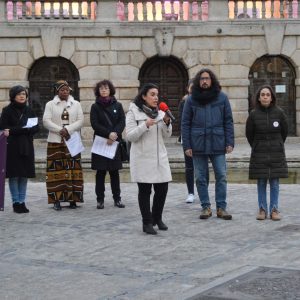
[149, 161]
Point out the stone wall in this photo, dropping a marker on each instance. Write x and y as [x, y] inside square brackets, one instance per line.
[117, 51]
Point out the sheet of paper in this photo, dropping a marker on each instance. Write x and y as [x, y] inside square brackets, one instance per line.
[74, 144]
[31, 122]
[101, 147]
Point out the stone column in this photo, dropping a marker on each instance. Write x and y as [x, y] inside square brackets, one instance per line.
[218, 10]
[2, 11]
[107, 11]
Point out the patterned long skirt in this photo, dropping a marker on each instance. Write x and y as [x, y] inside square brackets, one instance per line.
[64, 178]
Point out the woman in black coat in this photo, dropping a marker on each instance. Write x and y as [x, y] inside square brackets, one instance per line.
[20, 150]
[266, 132]
[108, 121]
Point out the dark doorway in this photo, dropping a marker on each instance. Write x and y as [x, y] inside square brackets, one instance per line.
[277, 72]
[43, 74]
[171, 76]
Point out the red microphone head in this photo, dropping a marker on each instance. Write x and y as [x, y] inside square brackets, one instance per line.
[163, 106]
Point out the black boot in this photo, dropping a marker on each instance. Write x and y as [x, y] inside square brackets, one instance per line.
[23, 208]
[17, 208]
[160, 224]
[148, 228]
[119, 204]
[57, 206]
[100, 205]
[73, 205]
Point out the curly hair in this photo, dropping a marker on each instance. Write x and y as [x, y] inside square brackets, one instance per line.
[105, 82]
[214, 80]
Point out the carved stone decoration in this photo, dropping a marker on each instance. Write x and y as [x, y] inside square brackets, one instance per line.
[274, 38]
[51, 40]
[164, 39]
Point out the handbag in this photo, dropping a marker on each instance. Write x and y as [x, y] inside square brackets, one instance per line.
[125, 150]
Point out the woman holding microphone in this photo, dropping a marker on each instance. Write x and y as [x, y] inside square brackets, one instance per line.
[146, 127]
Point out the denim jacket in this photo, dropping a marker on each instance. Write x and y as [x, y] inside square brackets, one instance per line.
[207, 129]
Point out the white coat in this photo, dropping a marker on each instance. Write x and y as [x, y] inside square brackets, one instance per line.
[149, 161]
[52, 117]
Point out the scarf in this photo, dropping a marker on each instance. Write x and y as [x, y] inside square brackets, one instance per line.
[19, 106]
[105, 101]
[205, 96]
[150, 112]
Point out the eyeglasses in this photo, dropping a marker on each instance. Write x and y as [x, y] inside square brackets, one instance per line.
[265, 94]
[204, 78]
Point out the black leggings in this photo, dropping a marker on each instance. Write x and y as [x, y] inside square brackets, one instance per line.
[159, 198]
[114, 183]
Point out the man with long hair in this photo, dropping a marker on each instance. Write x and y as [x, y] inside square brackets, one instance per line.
[208, 134]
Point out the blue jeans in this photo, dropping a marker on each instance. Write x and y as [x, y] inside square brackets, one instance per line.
[17, 187]
[189, 173]
[262, 193]
[202, 179]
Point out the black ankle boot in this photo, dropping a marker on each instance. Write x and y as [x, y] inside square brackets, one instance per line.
[119, 204]
[17, 208]
[73, 205]
[160, 224]
[23, 208]
[57, 206]
[100, 205]
[148, 228]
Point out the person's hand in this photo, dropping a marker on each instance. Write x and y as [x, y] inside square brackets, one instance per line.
[150, 122]
[166, 120]
[64, 133]
[6, 132]
[188, 152]
[67, 137]
[229, 149]
[113, 136]
[109, 142]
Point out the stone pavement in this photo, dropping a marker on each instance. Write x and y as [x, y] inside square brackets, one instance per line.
[103, 254]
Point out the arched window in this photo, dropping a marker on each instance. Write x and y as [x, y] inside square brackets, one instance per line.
[43, 74]
[277, 72]
[171, 76]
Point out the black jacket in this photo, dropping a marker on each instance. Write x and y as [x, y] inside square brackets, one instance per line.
[103, 128]
[266, 131]
[20, 150]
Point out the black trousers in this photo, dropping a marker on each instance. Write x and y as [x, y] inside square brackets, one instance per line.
[159, 198]
[114, 183]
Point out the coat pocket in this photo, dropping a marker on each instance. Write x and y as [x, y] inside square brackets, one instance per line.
[198, 140]
[218, 139]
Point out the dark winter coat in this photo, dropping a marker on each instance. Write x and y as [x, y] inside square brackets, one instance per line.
[207, 128]
[102, 128]
[266, 131]
[20, 150]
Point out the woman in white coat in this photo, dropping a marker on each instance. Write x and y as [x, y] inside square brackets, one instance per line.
[146, 126]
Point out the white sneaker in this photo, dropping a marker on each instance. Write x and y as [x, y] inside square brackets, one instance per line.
[190, 198]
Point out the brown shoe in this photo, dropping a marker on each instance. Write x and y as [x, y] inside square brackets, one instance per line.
[205, 213]
[223, 214]
[275, 216]
[261, 215]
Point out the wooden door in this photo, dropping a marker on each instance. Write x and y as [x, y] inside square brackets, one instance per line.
[277, 72]
[42, 77]
[171, 77]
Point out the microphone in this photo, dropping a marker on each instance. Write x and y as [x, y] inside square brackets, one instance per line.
[164, 107]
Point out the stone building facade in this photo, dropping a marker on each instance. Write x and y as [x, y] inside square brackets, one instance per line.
[246, 43]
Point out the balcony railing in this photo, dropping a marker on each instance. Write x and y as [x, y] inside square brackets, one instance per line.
[264, 9]
[183, 10]
[34, 9]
